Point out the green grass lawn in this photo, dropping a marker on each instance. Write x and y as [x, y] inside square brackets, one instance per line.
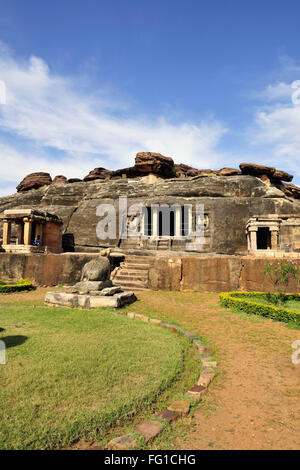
[71, 373]
[290, 304]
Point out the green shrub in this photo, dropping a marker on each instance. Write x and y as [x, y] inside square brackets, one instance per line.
[21, 285]
[280, 273]
[23, 282]
[239, 300]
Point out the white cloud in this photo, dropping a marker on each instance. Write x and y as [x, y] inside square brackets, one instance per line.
[48, 114]
[276, 123]
[278, 92]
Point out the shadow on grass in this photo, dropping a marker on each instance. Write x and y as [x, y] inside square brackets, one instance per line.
[12, 341]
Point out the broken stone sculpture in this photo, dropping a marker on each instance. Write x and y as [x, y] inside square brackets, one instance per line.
[95, 289]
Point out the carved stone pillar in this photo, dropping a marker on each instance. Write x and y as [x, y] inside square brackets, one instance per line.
[27, 231]
[190, 219]
[253, 239]
[178, 222]
[6, 232]
[20, 235]
[154, 221]
[248, 241]
[274, 238]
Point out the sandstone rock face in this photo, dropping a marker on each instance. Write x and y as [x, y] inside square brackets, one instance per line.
[183, 170]
[96, 270]
[206, 172]
[59, 179]
[150, 162]
[74, 180]
[229, 200]
[34, 181]
[282, 176]
[98, 174]
[228, 172]
[290, 190]
[257, 170]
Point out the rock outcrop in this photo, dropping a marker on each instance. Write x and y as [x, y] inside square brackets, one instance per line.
[34, 181]
[182, 171]
[98, 174]
[228, 172]
[150, 162]
[291, 190]
[59, 179]
[261, 170]
[230, 197]
[74, 180]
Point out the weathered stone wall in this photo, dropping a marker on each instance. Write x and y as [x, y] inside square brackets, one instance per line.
[213, 274]
[41, 269]
[199, 273]
[230, 201]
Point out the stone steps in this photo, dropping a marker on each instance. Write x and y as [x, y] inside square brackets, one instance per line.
[139, 260]
[135, 267]
[128, 274]
[132, 286]
[133, 273]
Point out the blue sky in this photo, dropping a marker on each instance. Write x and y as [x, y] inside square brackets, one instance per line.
[90, 83]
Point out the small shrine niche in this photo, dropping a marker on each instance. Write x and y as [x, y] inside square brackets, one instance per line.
[273, 233]
[262, 233]
[37, 232]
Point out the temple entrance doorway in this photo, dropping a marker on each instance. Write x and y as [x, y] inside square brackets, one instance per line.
[263, 238]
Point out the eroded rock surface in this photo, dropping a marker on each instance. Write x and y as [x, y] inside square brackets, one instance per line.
[230, 197]
[34, 181]
[96, 270]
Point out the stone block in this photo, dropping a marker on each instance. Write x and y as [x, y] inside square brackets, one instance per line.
[187, 334]
[130, 314]
[102, 301]
[213, 364]
[197, 391]
[70, 289]
[87, 286]
[62, 298]
[115, 301]
[171, 327]
[204, 380]
[95, 292]
[167, 415]
[122, 443]
[125, 298]
[142, 317]
[154, 321]
[149, 430]
[201, 347]
[111, 290]
[182, 407]
[83, 301]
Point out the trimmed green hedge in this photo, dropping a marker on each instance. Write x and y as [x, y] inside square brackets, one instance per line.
[21, 285]
[239, 301]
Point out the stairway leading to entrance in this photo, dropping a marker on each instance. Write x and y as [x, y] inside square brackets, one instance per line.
[133, 273]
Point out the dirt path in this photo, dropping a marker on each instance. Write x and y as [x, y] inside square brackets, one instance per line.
[255, 401]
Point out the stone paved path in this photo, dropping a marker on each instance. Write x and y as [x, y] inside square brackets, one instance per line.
[255, 401]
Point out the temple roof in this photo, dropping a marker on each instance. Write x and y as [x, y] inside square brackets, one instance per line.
[31, 214]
